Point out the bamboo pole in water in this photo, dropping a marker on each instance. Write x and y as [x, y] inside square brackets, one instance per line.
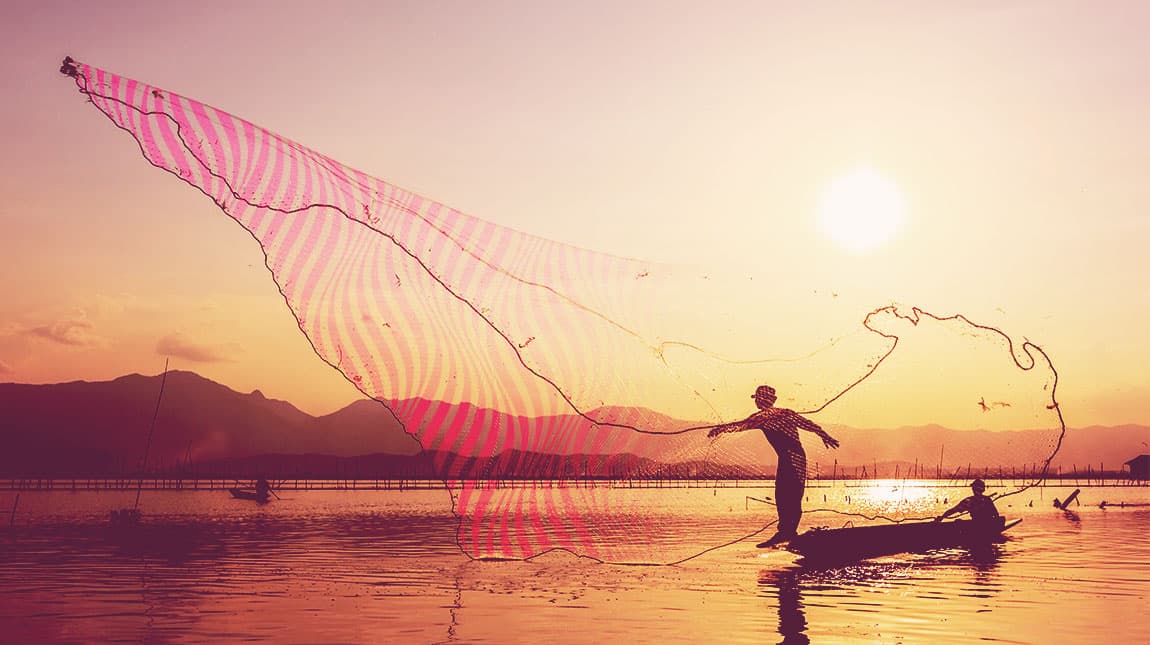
[151, 431]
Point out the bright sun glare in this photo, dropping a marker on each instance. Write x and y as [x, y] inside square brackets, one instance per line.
[861, 209]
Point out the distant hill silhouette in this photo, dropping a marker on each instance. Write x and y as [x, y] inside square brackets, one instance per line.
[204, 428]
[101, 427]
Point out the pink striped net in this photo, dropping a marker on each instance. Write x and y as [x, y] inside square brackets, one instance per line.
[545, 382]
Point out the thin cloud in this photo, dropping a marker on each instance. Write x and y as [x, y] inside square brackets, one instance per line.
[76, 332]
[180, 346]
[5, 368]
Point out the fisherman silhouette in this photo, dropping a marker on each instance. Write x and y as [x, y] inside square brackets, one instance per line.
[781, 426]
[981, 507]
[262, 488]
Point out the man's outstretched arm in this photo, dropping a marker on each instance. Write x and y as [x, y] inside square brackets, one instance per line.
[734, 426]
[811, 426]
[957, 508]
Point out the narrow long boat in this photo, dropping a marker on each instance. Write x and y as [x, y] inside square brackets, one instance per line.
[861, 542]
[244, 493]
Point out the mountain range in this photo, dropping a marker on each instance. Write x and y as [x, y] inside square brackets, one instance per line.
[204, 428]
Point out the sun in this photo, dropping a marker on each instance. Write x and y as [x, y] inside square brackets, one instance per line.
[861, 210]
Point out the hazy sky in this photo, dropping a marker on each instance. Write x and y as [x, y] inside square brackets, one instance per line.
[680, 132]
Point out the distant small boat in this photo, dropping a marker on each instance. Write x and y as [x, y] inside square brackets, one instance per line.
[861, 542]
[124, 517]
[1105, 505]
[245, 493]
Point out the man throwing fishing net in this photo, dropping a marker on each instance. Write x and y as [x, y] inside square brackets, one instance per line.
[781, 427]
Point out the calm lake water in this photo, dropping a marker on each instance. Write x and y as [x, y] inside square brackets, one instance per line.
[382, 567]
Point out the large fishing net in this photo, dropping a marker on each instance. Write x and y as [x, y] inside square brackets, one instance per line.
[550, 385]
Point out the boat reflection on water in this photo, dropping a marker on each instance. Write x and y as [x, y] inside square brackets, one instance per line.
[788, 586]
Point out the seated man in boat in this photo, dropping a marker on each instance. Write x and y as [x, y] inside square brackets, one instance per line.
[979, 505]
[781, 427]
[262, 488]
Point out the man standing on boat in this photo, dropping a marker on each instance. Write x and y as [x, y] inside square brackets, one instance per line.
[980, 506]
[263, 488]
[781, 427]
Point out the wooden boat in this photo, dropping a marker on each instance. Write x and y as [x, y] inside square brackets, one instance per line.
[1105, 505]
[124, 517]
[244, 493]
[861, 542]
